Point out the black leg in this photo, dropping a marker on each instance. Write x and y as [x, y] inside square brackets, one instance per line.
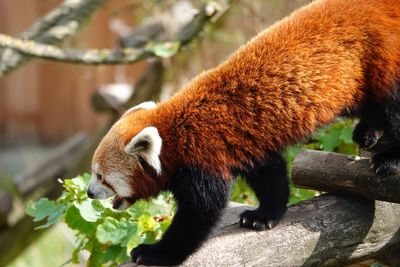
[388, 162]
[365, 135]
[201, 198]
[392, 114]
[270, 184]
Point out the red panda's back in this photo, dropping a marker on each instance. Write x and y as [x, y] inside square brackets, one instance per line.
[289, 80]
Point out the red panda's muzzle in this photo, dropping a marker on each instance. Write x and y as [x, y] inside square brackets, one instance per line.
[121, 203]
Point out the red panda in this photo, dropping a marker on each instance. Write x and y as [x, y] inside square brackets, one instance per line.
[329, 58]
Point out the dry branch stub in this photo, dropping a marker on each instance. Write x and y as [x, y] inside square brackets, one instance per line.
[337, 173]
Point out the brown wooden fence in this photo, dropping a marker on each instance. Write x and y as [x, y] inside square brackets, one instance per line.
[45, 102]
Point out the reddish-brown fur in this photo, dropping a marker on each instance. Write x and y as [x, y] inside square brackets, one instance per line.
[273, 92]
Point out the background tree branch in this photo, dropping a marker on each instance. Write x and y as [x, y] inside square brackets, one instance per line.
[60, 23]
[114, 56]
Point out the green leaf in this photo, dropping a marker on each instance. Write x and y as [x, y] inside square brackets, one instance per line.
[137, 209]
[331, 139]
[86, 179]
[41, 209]
[108, 235]
[111, 231]
[89, 211]
[298, 194]
[81, 241]
[96, 255]
[112, 253]
[45, 208]
[147, 221]
[133, 242]
[54, 217]
[347, 134]
[166, 49]
[75, 221]
[133, 232]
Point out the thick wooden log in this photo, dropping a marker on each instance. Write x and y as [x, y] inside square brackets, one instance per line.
[337, 173]
[324, 231]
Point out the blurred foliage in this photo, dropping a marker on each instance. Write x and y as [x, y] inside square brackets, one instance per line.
[108, 235]
[336, 137]
[51, 249]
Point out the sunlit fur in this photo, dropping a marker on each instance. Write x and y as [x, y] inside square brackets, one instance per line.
[97, 186]
[276, 90]
[144, 105]
[329, 58]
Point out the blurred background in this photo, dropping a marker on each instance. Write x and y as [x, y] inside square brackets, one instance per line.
[52, 114]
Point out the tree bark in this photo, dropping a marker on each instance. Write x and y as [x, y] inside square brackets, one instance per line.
[337, 173]
[324, 231]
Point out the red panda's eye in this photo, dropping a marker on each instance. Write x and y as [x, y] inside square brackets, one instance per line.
[99, 176]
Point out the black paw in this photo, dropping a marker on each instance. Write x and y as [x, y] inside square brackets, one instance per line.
[384, 165]
[258, 220]
[366, 138]
[153, 255]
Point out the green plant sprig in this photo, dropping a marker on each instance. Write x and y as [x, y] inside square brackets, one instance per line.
[108, 235]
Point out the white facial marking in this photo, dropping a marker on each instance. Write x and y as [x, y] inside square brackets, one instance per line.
[119, 184]
[151, 152]
[99, 190]
[95, 168]
[144, 105]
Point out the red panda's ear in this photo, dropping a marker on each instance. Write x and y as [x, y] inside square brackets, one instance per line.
[147, 145]
[144, 105]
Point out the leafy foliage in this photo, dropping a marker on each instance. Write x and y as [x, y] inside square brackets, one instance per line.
[337, 138]
[108, 235]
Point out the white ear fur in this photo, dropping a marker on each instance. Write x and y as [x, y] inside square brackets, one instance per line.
[144, 105]
[147, 144]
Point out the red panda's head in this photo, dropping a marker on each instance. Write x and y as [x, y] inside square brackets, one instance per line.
[126, 163]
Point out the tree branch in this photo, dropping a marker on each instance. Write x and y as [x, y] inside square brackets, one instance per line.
[113, 56]
[324, 231]
[57, 25]
[337, 173]
[57, 165]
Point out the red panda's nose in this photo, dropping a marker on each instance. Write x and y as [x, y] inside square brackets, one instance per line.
[90, 194]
